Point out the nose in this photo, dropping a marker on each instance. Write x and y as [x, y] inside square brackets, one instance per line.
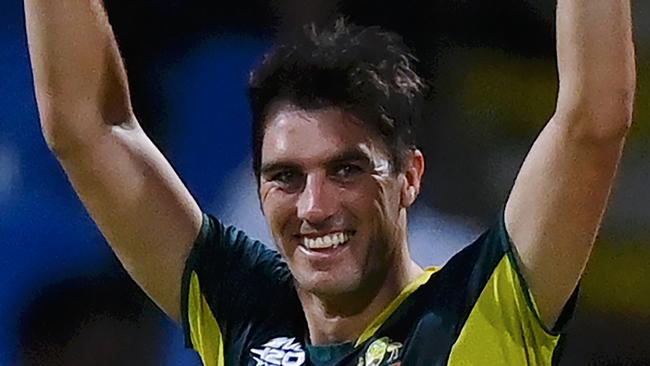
[317, 201]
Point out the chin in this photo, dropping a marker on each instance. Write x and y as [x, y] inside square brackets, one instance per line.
[326, 284]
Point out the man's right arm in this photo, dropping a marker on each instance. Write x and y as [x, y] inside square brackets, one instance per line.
[130, 190]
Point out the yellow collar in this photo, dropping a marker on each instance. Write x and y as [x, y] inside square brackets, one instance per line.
[372, 328]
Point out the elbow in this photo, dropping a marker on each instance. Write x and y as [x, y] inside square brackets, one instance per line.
[605, 120]
[61, 127]
[65, 136]
[601, 128]
[61, 143]
[605, 127]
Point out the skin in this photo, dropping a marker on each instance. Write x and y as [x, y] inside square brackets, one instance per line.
[324, 172]
[151, 220]
[561, 192]
[130, 190]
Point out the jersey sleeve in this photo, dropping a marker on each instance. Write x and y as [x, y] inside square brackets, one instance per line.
[226, 275]
[501, 325]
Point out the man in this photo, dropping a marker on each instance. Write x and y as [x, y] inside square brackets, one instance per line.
[337, 171]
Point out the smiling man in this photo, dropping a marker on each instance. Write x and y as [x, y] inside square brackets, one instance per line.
[337, 168]
[335, 211]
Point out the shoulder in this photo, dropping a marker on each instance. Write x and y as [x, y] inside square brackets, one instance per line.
[453, 290]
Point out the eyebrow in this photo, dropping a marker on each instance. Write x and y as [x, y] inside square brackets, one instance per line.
[342, 157]
[349, 155]
[274, 166]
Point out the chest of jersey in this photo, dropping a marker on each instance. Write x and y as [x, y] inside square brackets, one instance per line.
[285, 351]
[421, 342]
[476, 310]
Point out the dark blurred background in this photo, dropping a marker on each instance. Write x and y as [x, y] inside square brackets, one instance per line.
[491, 66]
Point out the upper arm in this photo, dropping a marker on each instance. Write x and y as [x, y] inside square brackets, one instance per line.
[556, 207]
[140, 205]
[559, 197]
[130, 190]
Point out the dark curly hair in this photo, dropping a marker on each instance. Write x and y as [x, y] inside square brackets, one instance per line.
[366, 71]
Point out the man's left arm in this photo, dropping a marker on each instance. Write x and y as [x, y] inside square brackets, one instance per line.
[559, 197]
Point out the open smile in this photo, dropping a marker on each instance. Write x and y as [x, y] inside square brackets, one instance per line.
[326, 242]
[331, 240]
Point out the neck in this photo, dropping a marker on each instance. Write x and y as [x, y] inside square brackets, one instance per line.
[343, 318]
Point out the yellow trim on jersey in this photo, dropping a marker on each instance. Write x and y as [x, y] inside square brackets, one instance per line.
[503, 328]
[381, 318]
[204, 329]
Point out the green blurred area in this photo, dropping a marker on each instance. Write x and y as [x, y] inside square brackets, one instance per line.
[522, 91]
[616, 280]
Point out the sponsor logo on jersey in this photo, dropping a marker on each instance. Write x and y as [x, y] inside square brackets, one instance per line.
[381, 352]
[281, 351]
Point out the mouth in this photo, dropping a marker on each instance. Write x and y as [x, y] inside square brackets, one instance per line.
[327, 241]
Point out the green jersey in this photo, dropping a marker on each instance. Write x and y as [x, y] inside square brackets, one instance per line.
[240, 308]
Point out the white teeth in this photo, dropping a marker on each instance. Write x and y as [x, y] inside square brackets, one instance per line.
[326, 241]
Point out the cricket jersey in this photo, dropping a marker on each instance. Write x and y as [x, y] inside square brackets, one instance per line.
[240, 308]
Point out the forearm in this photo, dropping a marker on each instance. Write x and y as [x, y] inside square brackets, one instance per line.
[596, 64]
[80, 82]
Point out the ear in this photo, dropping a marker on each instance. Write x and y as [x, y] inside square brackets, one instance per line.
[412, 178]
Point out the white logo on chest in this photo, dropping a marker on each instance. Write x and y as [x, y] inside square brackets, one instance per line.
[281, 351]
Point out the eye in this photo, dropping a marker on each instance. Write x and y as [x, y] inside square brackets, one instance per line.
[288, 179]
[283, 176]
[347, 171]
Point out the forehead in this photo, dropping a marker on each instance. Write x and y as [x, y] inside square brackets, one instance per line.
[313, 135]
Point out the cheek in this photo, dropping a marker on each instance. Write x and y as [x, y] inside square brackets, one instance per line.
[386, 196]
[372, 200]
[385, 213]
[368, 206]
[277, 208]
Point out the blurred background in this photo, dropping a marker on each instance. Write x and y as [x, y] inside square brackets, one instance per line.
[491, 66]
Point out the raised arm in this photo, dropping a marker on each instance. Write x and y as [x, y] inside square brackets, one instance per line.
[559, 197]
[130, 190]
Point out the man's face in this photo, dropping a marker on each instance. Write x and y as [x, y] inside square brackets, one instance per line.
[330, 199]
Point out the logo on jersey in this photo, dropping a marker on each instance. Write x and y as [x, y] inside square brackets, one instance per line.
[381, 351]
[281, 351]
